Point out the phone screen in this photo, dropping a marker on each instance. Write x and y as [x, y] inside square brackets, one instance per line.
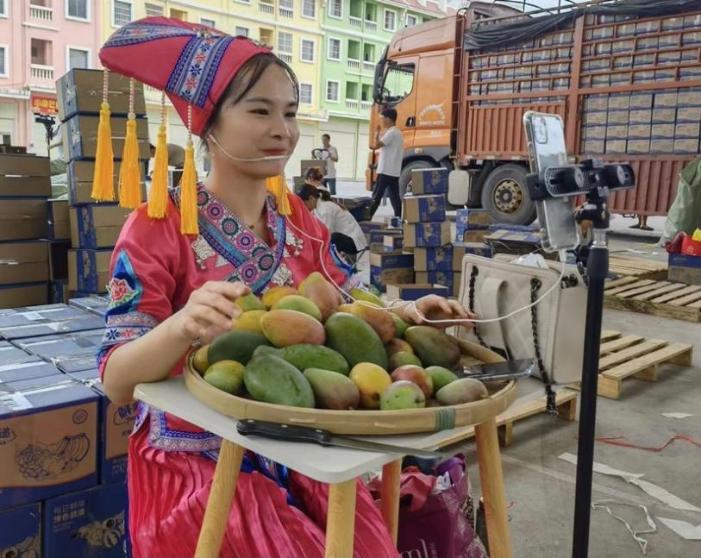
[545, 135]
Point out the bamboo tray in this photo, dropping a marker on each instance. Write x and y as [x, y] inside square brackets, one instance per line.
[363, 422]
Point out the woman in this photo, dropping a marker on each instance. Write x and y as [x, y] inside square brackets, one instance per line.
[170, 292]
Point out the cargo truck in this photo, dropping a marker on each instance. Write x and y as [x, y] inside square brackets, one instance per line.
[624, 75]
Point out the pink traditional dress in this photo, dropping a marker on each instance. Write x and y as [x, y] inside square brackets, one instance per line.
[277, 513]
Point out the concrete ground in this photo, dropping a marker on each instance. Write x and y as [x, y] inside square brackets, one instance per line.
[540, 487]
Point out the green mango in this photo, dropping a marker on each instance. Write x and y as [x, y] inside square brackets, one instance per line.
[235, 345]
[355, 339]
[273, 380]
[433, 346]
[315, 356]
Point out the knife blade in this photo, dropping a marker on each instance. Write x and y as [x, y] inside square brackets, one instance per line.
[294, 433]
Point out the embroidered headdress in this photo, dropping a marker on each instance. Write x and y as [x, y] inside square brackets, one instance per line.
[193, 65]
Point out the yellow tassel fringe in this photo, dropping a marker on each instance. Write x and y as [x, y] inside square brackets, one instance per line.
[277, 187]
[158, 196]
[129, 172]
[188, 193]
[103, 179]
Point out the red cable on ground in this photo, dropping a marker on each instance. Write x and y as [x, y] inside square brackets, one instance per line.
[620, 442]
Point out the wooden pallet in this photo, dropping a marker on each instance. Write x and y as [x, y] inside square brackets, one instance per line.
[624, 265]
[565, 400]
[624, 356]
[659, 298]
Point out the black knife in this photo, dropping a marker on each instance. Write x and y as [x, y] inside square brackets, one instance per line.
[293, 433]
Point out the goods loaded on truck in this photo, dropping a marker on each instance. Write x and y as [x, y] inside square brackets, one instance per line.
[624, 75]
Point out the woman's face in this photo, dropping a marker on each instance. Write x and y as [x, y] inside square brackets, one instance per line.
[263, 123]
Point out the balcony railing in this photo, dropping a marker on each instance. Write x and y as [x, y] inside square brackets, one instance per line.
[354, 64]
[352, 104]
[368, 66]
[286, 12]
[370, 25]
[356, 21]
[365, 105]
[285, 57]
[41, 13]
[41, 72]
[266, 8]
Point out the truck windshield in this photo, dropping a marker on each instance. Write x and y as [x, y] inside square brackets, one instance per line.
[393, 82]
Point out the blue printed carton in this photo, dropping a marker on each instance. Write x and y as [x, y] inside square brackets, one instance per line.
[20, 532]
[89, 270]
[429, 181]
[434, 259]
[90, 523]
[444, 278]
[476, 248]
[9, 354]
[96, 225]
[50, 347]
[92, 303]
[417, 235]
[424, 209]
[10, 373]
[414, 291]
[471, 220]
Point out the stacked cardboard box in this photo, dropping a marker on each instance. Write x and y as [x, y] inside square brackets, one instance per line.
[94, 228]
[25, 187]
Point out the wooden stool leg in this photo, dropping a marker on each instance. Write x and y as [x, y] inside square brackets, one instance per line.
[216, 515]
[340, 522]
[492, 480]
[389, 494]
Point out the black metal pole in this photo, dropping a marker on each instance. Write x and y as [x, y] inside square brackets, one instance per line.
[597, 270]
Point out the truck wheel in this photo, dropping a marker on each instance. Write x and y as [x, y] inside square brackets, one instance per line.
[505, 196]
[405, 177]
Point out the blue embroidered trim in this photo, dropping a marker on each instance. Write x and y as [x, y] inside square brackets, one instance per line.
[162, 437]
[125, 288]
[137, 32]
[196, 68]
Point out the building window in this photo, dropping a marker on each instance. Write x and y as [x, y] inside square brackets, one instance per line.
[41, 52]
[307, 50]
[3, 8]
[178, 14]
[284, 42]
[390, 20]
[411, 20]
[309, 8]
[305, 93]
[336, 9]
[154, 10]
[334, 49]
[78, 58]
[286, 8]
[4, 64]
[332, 88]
[77, 9]
[241, 31]
[121, 12]
[371, 13]
[208, 22]
[352, 90]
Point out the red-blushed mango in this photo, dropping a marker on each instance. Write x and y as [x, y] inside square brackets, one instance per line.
[322, 293]
[273, 294]
[379, 319]
[371, 380]
[299, 303]
[249, 321]
[397, 345]
[289, 327]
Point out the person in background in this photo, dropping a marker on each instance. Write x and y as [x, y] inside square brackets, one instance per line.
[642, 223]
[310, 196]
[329, 154]
[391, 145]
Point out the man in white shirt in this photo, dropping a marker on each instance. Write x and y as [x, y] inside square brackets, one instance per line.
[390, 166]
[330, 155]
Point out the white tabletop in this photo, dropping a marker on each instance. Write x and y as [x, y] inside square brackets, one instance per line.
[331, 465]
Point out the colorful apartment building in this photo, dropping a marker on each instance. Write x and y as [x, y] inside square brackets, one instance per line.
[39, 41]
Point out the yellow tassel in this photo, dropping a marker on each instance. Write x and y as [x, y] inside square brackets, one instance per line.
[129, 172]
[158, 196]
[103, 179]
[277, 187]
[188, 193]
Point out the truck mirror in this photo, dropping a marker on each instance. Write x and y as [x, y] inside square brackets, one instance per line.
[458, 187]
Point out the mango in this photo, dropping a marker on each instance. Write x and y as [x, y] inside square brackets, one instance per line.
[322, 293]
[249, 321]
[332, 390]
[463, 390]
[344, 308]
[441, 376]
[415, 374]
[355, 339]
[200, 360]
[235, 345]
[314, 356]
[397, 345]
[289, 327]
[266, 350]
[249, 302]
[403, 358]
[273, 294]
[361, 294]
[402, 395]
[371, 380]
[273, 380]
[377, 317]
[226, 375]
[400, 325]
[299, 303]
[433, 346]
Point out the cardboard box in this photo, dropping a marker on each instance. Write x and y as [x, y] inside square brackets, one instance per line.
[89, 270]
[414, 291]
[58, 291]
[667, 99]
[434, 259]
[690, 97]
[377, 236]
[89, 523]
[17, 372]
[79, 363]
[663, 115]
[689, 114]
[684, 269]
[429, 181]
[686, 146]
[59, 227]
[43, 314]
[80, 178]
[638, 146]
[392, 243]
[93, 303]
[392, 260]
[618, 102]
[79, 135]
[23, 219]
[473, 218]
[595, 118]
[616, 132]
[20, 531]
[424, 209]
[640, 116]
[116, 423]
[25, 186]
[80, 91]
[24, 262]
[97, 225]
[474, 236]
[661, 145]
[49, 426]
[52, 347]
[687, 130]
[617, 117]
[380, 278]
[639, 131]
[595, 102]
[444, 278]
[426, 234]
[9, 354]
[616, 146]
[25, 165]
[23, 294]
[72, 325]
[514, 242]
[462, 248]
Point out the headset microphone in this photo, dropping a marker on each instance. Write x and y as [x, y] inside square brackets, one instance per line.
[246, 159]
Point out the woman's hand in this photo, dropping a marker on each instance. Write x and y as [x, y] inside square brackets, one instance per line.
[209, 311]
[434, 307]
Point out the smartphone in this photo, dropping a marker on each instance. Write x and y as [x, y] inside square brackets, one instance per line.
[497, 371]
[545, 136]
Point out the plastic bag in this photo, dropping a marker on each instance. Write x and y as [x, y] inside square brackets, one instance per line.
[436, 513]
